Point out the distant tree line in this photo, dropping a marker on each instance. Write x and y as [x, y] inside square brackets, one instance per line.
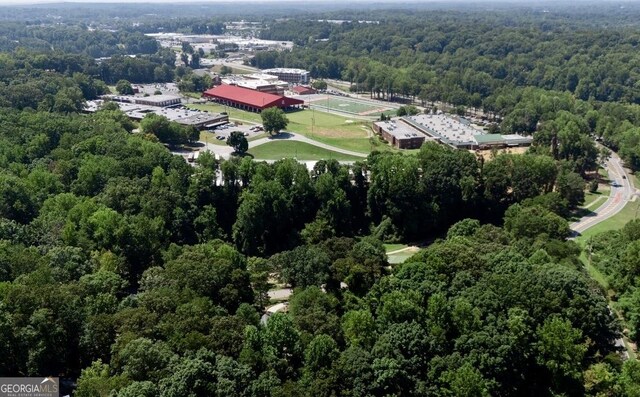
[525, 74]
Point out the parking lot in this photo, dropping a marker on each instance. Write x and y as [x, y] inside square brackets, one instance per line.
[165, 88]
[249, 130]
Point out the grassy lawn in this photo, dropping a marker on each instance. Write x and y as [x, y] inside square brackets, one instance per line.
[340, 86]
[195, 95]
[234, 114]
[234, 69]
[594, 272]
[400, 257]
[634, 178]
[298, 150]
[592, 200]
[394, 247]
[603, 173]
[331, 129]
[334, 130]
[629, 212]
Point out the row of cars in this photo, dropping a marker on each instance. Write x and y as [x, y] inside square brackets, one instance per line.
[224, 132]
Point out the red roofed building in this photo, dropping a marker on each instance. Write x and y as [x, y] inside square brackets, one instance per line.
[251, 100]
[302, 90]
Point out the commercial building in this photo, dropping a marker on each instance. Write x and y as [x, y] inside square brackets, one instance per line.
[152, 100]
[399, 134]
[275, 87]
[293, 76]
[458, 133]
[410, 132]
[199, 119]
[208, 42]
[247, 99]
[261, 76]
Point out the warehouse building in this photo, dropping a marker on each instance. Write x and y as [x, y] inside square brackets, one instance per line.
[199, 119]
[247, 99]
[410, 132]
[293, 76]
[399, 134]
[152, 100]
[275, 87]
[459, 134]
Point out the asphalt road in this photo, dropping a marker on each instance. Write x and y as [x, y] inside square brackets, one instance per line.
[622, 190]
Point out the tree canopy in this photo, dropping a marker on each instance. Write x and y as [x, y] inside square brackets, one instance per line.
[274, 120]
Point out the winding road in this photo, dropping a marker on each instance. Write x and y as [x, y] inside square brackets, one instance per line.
[622, 191]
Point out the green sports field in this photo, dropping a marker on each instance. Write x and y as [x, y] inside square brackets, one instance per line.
[352, 106]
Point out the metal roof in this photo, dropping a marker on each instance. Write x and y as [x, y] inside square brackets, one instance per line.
[488, 139]
[249, 97]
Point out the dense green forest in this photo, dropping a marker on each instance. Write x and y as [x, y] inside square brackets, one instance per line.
[115, 268]
[615, 254]
[132, 273]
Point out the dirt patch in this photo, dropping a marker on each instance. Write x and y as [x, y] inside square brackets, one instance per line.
[487, 153]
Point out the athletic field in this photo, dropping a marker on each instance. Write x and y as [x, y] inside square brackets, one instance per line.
[351, 106]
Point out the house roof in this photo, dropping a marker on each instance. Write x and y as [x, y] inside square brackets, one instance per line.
[250, 97]
[302, 89]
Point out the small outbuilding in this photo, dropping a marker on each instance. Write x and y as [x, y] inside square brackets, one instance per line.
[302, 90]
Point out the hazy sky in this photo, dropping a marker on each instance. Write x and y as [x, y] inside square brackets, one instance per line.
[530, 2]
[15, 2]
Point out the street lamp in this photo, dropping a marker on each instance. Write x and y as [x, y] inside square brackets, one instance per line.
[313, 120]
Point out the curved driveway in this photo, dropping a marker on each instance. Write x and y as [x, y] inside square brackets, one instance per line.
[225, 151]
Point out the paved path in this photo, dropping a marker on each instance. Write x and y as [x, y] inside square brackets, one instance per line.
[225, 151]
[622, 191]
[411, 248]
[280, 294]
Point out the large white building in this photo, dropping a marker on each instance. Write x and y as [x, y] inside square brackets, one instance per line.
[271, 86]
[411, 132]
[294, 76]
[137, 111]
[151, 100]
